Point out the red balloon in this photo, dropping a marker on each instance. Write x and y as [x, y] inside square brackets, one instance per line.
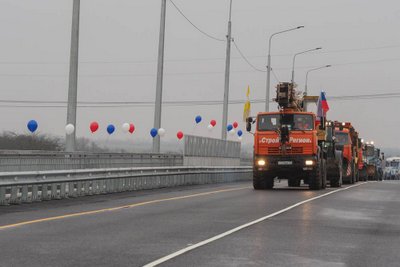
[235, 125]
[179, 135]
[213, 123]
[94, 126]
[131, 128]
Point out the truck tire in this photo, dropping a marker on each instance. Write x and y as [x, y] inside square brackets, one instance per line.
[294, 182]
[262, 183]
[257, 183]
[353, 173]
[324, 173]
[315, 180]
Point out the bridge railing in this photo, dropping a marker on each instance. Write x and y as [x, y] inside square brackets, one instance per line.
[23, 160]
[23, 187]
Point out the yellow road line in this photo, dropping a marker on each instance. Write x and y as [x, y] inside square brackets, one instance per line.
[3, 227]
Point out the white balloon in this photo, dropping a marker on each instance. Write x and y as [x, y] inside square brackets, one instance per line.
[161, 132]
[210, 127]
[232, 132]
[69, 129]
[240, 138]
[125, 127]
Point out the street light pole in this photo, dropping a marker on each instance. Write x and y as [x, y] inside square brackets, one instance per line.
[160, 73]
[294, 59]
[305, 87]
[227, 69]
[73, 77]
[269, 64]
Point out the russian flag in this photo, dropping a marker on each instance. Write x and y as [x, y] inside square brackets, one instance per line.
[322, 105]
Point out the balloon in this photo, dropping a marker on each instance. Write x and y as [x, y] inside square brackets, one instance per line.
[131, 128]
[153, 132]
[69, 129]
[125, 127]
[232, 132]
[179, 135]
[161, 132]
[32, 126]
[94, 126]
[229, 127]
[110, 129]
[198, 119]
[235, 125]
[213, 123]
[240, 138]
[210, 127]
[240, 133]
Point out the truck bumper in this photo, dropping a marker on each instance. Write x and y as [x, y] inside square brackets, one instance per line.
[293, 165]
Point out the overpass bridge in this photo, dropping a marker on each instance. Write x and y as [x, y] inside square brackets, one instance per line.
[168, 210]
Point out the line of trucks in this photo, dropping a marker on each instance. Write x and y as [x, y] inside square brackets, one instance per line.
[296, 145]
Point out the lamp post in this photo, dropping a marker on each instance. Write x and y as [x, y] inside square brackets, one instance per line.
[227, 74]
[269, 64]
[294, 59]
[160, 74]
[322, 67]
[70, 139]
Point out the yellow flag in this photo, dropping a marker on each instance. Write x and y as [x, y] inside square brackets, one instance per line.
[247, 106]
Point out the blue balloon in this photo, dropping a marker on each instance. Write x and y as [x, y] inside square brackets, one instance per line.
[110, 129]
[153, 132]
[32, 126]
[240, 133]
[198, 119]
[229, 127]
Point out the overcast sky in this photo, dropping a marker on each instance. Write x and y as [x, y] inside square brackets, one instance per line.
[118, 53]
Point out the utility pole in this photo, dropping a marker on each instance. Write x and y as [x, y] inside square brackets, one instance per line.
[227, 69]
[160, 73]
[73, 77]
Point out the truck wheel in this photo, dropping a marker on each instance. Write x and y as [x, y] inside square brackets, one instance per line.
[260, 183]
[257, 183]
[353, 173]
[324, 173]
[315, 181]
[294, 182]
[269, 182]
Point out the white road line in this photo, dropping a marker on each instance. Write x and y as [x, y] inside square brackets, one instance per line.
[212, 239]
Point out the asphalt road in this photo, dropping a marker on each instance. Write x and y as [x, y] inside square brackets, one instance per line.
[358, 226]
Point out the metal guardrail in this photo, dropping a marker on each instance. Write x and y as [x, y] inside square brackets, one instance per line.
[25, 187]
[11, 161]
[197, 146]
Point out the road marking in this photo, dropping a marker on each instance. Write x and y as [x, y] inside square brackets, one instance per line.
[3, 227]
[234, 230]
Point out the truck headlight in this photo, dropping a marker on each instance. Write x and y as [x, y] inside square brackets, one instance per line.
[309, 162]
[261, 162]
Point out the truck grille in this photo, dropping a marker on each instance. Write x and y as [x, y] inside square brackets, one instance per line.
[278, 150]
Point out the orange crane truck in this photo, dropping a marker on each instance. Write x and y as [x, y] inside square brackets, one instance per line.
[286, 144]
[348, 142]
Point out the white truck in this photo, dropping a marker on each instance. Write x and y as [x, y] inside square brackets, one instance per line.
[392, 169]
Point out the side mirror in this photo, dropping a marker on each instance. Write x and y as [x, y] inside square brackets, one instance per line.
[249, 121]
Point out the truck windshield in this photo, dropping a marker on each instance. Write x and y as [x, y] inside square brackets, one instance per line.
[369, 151]
[342, 138]
[273, 122]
